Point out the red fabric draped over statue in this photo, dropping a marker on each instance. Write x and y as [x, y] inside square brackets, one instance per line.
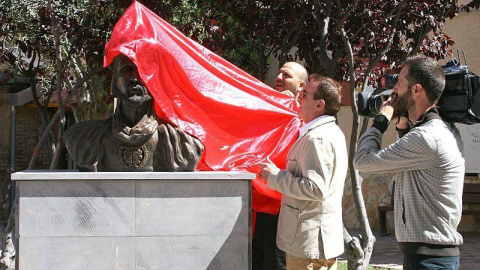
[239, 119]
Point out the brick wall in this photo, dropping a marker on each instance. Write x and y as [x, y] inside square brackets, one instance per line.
[28, 133]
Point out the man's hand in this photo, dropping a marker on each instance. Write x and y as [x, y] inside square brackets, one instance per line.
[387, 108]
[266, 168]
[401, 122]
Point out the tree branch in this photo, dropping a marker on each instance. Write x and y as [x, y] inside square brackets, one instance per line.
[288, 42]
[59, 88]
[323, 25]
[423, 33]
[373, 62]
[32, 76]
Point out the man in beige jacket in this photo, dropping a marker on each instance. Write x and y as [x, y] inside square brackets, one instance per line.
[310, 222]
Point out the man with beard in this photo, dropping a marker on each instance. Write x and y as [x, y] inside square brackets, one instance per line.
[132, 139]
[429, 167]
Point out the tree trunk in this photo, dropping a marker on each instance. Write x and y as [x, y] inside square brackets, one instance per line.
[59, 86]
[359, 250]
[43, 120]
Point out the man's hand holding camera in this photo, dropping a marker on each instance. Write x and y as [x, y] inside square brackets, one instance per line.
[389, 110]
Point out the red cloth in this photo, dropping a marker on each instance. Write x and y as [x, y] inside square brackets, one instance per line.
[239, 119]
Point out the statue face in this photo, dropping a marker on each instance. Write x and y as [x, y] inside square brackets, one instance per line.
[127, 83]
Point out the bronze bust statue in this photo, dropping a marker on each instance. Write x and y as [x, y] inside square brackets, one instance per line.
[132, 139]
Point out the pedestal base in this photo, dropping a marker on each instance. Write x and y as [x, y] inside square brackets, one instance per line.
[75, 220]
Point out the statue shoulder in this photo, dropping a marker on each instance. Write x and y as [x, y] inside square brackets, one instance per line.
[83, 141]
[177, 151]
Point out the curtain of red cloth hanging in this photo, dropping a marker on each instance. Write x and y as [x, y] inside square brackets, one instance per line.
[239, 119]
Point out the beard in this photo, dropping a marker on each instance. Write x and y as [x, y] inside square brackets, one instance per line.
[404, 103]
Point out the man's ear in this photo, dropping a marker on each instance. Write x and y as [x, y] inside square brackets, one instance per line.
[301, 86]
[320, 104]
[417, 90]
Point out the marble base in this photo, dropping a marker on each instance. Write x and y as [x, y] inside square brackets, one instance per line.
[84, 220]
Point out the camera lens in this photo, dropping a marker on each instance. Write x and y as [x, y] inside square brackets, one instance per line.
[369, 104]
[374, 104]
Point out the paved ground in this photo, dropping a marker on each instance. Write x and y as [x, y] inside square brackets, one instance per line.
[386, 253]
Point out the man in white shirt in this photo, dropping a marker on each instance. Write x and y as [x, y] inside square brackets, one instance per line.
[310, 222]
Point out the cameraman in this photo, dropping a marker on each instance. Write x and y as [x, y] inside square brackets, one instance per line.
[429, 167]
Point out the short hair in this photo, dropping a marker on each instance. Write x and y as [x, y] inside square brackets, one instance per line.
[330, 91]
[314, 77]
[428, 73]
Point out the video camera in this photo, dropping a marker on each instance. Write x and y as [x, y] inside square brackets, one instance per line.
[459, 102]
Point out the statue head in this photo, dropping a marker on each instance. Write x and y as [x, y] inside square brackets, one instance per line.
[126, 83]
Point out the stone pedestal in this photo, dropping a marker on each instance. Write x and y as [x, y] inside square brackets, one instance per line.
[112, 220]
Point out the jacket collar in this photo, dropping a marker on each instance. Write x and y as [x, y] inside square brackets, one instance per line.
[324, 119]
[319, 121]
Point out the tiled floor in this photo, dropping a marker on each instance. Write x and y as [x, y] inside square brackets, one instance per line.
[386, 253]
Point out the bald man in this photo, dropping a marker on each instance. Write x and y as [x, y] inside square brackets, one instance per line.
[291, 79]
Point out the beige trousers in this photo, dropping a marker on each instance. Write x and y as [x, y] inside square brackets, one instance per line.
[296, 263]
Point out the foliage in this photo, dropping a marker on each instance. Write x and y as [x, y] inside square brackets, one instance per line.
[27, 34]
[368, 27]
[248, 31]
[85, 26]
[244, 32]
[26, 31]
[310, 26]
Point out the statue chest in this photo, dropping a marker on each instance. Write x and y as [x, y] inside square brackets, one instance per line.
[117, 155]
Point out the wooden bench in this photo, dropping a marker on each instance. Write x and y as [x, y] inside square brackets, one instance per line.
[471, 195]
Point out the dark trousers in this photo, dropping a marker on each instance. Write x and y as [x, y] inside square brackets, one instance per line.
[265, 253]
[421, 262]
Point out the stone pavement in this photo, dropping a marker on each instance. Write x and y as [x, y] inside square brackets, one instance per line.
[386, 253]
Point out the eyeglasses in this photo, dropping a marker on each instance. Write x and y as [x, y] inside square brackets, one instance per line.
[305, 93]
